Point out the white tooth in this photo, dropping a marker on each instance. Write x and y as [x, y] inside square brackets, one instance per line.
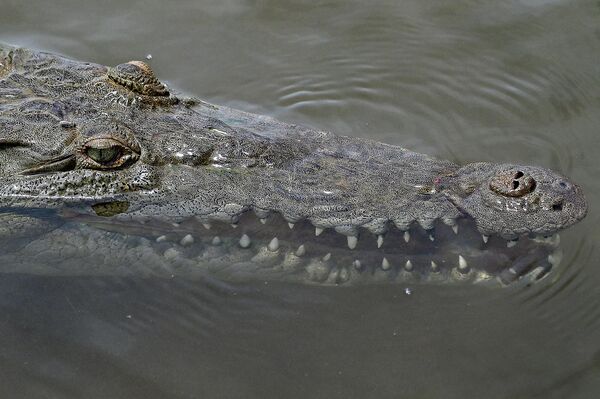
[273, 245]
[434, 266]
[263, 220]
[462, 263]
[291, 225]
[234, 225]
[161, 238]
[175, 224]
[431, 237]
[379, 241]
[406, 236]
[318, 231]
[408, 266]
[344, 275]
[455, 229]
[385, 265]
[356, 264]
[327, 257]
[352, 241]
[554, 239]
[216, 240]
[485, 238]
[171, 253]
[511, 243]
[187, 240]
[245, 241]
[555, 257]
[301, 250]
[207, 226]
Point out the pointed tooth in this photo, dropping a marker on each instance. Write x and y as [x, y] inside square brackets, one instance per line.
[187, 240]
[326, 257]
[357, 265]
[352, 241]
[553, 239]
[385, 265]
[555, 257]
[234, 225]
[408, 265]
[273, 245]
[449, 221]
[263, 220]
[245, 241]
[318, 231]
[207, 226]
[216, 240]
[485, 238]
[434, 267]
[291, 225]
[344, 275]
[455, 229]
[301, 250]
[511, 243]
[379, 240]
[161, 238]
[171, 253]
[334, 274]
[431, 237]
[462, 263]
[406, 236]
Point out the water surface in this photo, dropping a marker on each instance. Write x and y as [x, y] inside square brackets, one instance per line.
[512, 81]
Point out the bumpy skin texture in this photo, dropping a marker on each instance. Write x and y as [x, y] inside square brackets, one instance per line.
[80, 135]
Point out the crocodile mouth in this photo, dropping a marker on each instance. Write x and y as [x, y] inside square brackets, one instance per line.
[272, 248]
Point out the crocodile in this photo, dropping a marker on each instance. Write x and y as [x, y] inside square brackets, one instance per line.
[105, 170]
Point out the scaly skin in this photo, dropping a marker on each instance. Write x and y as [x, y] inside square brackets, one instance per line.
[115, 158]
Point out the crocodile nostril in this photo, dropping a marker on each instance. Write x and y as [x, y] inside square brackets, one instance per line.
[558, 206]
[513, 183]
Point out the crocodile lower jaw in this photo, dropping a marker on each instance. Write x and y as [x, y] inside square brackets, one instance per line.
[272, 248]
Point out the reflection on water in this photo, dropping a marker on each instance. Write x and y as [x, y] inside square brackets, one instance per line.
[470, 80]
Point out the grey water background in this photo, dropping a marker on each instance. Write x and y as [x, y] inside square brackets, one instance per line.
[517, 81]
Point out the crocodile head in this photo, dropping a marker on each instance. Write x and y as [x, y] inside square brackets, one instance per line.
[144, 175]
[187, 202]
[515, 200]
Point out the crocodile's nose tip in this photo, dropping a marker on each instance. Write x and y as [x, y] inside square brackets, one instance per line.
[514, 183]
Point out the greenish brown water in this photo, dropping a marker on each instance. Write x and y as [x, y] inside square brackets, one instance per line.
[514, 81]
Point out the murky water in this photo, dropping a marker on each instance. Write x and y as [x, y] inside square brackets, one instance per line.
[468, 80]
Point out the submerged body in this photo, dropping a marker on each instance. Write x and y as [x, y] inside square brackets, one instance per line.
[103, 170]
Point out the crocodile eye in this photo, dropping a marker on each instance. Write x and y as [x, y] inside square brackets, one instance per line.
[106, 153]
